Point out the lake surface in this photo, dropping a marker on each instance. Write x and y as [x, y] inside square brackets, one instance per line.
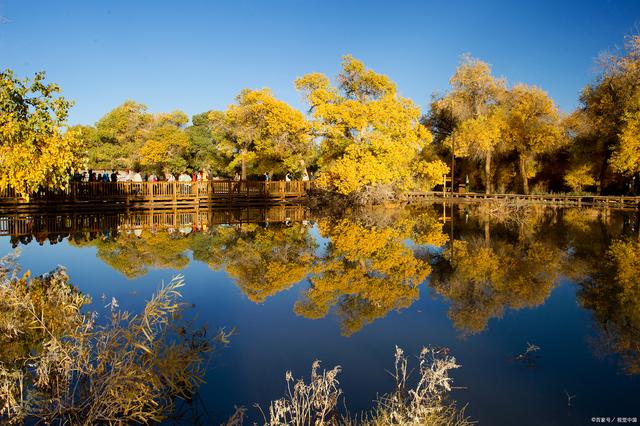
[347, 288]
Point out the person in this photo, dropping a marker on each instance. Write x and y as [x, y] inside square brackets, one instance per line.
[266, 177]
[152, 178]
[194, 178]
[305, 177]
[287, 178]
[99, 177]
[114, 176]
[105, 176]
[205, 175]
[137, 177]
[170, 177]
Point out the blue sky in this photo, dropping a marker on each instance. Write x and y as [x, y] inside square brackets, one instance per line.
[197, 56]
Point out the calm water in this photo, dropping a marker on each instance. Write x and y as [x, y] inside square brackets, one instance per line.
[347, 289]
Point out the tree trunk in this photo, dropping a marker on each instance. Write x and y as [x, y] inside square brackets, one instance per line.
[243, 155]
[487, 232]
[603, 171]
[487, 173]
[523, 173]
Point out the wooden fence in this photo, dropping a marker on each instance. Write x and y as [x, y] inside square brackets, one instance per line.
[213, 191]
[605, 201]
[48, 226]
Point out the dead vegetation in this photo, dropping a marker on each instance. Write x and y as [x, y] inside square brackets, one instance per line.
[426, 402]
[64, 367]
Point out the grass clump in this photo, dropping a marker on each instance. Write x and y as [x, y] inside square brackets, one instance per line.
[63, 367]
[426, 402]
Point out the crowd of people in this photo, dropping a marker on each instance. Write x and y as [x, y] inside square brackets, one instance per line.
[135, 176]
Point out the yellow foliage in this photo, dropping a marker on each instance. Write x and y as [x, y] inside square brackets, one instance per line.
[626, 156]
[369, 134]
[579, 177]
[35, 151]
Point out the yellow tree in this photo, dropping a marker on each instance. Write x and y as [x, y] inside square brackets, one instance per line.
[613, 294]
[263, 132]
[481, 138]
[611, 107]
[369, 134]
[467, 119]
[626, 155]
[533, 127]
[35, 151]
[166, 143]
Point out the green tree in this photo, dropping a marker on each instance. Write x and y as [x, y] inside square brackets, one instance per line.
[120, 136]
[35, 150]
[202, 153]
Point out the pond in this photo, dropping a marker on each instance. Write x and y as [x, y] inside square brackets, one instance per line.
[346, 289]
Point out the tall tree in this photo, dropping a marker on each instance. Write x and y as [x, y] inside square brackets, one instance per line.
[120, 136]
[467, 120]
[533, 127]
[35, 150]
[369, 134]
[611, 107]
[166, 143]
[263, 132]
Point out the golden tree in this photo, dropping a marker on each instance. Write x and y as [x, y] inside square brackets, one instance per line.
[369, 134]
[468, 119]
[263, 132]
[35, 151]
[533, 127]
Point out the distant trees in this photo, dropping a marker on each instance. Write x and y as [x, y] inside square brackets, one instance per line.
[361, 136]
[606, 124]
[480, 118]
[35, 148]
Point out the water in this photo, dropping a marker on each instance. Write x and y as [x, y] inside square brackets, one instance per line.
[346, 290]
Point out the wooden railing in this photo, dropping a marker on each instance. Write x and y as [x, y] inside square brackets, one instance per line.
[50, 226]
[165, 192]
[613, 201]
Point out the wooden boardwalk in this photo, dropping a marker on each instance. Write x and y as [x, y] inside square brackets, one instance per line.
[599, 201]
[165, 193]
[53, 225]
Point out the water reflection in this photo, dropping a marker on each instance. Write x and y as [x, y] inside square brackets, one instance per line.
[368, 268]
[369, 263]
[483, 273]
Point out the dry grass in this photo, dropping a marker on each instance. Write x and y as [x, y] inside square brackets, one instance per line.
[77, 372]
[425, 403]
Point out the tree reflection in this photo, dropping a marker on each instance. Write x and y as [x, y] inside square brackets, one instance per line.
[262, 261]
[613, 295]
[134, 253]
[483, 276]
[368, 270]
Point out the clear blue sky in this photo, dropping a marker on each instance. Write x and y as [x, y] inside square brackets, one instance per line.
[197, 56]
